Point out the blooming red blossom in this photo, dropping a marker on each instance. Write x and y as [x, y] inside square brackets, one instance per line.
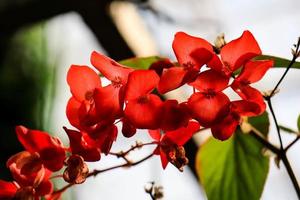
[235, 54]
[174, 115]
[226, 126]
[252, 72]
[142, 108]
[207, 104]
[30, 175]
[81, 110]
[45, 146]
[109, 99]
[170, 144]
[184, 47]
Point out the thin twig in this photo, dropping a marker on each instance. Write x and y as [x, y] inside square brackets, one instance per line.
[295, 56]
[275, 121]
[292, 143]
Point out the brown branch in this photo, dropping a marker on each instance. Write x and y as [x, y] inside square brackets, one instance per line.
[123, 155]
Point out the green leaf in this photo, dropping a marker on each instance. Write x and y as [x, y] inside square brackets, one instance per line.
[298, 123]
[287, 129]
[279, 62]
[234, 169]
[140, 63]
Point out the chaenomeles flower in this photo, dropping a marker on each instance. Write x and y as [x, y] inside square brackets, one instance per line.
[31, 178]
[184, 47]
[142, 107]
[234, 54]
[83, 82]
[90, 145]
[44, 145]
[31, 169]
[174, 115]
[252, 72]
[109, 100]
[170, 144]
[227, 125]
[207, 104]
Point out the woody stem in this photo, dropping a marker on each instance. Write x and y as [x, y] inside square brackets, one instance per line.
[127, 164]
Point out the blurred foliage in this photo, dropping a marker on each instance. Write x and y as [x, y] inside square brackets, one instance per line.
[26, 83]
[141, 62]
[236, 168]
[278, 62]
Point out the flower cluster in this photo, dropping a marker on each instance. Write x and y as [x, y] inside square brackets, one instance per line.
[135, 99]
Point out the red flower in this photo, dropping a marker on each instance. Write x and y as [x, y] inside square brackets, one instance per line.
[173, 115]
[235, 54]
[83, 82]
[192, 53]
[109, 99]
[170, 145]
[252, 72]
[32, 178]
[35, 141]
[207, 105]
[83, 145]
[90, 145]
[142, 108]
[225, 127]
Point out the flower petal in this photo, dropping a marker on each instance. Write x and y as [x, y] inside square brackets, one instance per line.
[164, 159]
[155, 134]
[173, 115]
[104, 136]
[82, 81]
[225, 128]
[184, 44]
[128, 129]
[144, 115]
[140, 82]
[44, 188]
[107, 101]
[171, 79]
[235, 53]
[207, 110]
[183, 134]
[160, 65]
[251, 94]
[7, 190]
[112, 70]
[210, 80]
[253, 71]
[245, 108]
[72, 112]
[80, 144]
[201, 56]
[47, 146]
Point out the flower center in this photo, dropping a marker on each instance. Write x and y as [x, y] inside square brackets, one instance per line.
[89, 96]
[188, 65]
[209, 93]
[117, 82]
[142, 99]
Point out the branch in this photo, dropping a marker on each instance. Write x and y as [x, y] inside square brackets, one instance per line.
[295, 56]
[127, 164]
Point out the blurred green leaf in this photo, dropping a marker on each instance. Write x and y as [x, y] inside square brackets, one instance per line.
[298, 123]
[236, 168]
[287, 129]
[140, 63]
[279, 62]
